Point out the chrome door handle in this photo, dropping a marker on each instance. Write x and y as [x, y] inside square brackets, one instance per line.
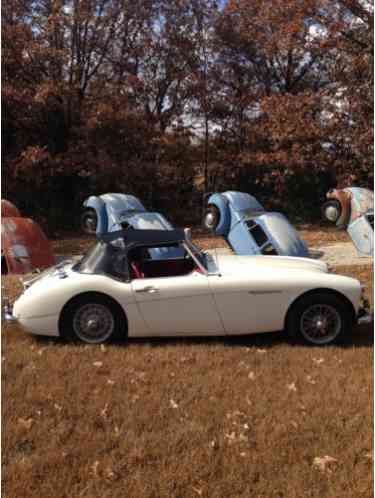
[149, 289]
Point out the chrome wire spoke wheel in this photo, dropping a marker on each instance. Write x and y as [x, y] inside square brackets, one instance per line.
[320, 323]
[93, 323]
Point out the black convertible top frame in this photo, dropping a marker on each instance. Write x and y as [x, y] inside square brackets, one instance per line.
[133, 237]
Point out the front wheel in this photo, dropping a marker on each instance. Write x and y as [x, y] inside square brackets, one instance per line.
[89, 221]
[92, 319]
[320, 319]
[211, 218]
[331, 211]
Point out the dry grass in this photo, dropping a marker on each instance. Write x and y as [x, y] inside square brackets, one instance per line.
[218, 418]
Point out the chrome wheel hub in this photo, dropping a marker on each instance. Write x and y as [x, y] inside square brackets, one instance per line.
[320, 323]
[90, 223]
[93, 323]
[209, 219]
[332, 213]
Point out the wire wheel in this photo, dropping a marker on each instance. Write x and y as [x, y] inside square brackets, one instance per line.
[93, 323]
[320, 324]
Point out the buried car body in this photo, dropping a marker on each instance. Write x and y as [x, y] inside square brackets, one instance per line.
[249, 229]
[121, 291]
[352, 208]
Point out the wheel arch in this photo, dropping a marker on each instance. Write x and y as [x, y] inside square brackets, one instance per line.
[320, 290]
[92, 294]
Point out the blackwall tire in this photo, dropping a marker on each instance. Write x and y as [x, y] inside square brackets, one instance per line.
[93, 320]
[89, 221]
[320, 319]
[211, 218]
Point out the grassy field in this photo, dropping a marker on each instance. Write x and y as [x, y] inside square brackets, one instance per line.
[254, 416]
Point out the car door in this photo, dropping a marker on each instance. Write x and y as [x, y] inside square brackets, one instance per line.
[178, 305]
[249, 305]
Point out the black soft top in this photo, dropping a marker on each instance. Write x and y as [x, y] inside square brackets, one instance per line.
[134, 237]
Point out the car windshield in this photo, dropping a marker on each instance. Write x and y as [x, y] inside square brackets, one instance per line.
[204, 258]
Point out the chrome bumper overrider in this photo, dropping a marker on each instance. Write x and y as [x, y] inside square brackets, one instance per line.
[7, 313]
[364, 316]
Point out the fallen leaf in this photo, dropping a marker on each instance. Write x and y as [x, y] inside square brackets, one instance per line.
[110, 382]
[318, 361]
[292, 387]
[324, 463]
[94, 468]
[103, 413]
[98, 364]
[173, 404]
[110, 474]
[213, 444]
[310, 380]
[26, 423]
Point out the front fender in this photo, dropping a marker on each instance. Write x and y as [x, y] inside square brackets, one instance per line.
[222, 204]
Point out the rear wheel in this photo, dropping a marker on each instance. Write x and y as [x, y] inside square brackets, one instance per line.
[320, 319]
[89, 221]
[93, 320]
[211, 217]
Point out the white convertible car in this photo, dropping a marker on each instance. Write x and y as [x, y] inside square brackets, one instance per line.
[118, 290]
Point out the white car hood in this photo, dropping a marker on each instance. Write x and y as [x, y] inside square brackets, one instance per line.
[229, 264]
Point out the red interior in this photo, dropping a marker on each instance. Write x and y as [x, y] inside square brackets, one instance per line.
[161, 268]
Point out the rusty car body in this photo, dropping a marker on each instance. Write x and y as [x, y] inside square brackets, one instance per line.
[24, 246]
[352, 209]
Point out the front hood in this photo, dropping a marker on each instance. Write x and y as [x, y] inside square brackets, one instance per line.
[62, 269]
[234, 264]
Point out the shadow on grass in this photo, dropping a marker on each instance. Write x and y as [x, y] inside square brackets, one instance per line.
[362, 336]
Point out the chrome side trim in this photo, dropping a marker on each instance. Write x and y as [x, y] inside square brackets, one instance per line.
[366, 318]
